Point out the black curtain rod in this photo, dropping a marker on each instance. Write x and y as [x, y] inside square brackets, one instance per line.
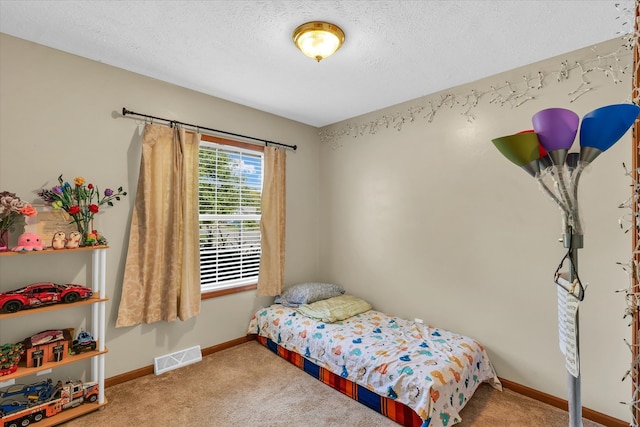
[126, 112]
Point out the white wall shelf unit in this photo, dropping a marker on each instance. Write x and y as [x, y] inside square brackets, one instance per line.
[97, 303]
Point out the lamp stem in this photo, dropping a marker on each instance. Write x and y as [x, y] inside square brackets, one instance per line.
[564, 192]
[573, 242]
[575, 178]
[553, 197]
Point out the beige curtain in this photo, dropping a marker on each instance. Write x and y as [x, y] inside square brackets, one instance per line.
[162, 270]
[272, 224]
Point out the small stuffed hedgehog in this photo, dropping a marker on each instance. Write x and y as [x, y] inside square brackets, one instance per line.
[59, 240]
[73, 241]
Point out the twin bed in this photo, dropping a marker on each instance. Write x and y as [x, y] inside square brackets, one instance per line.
[416, 375]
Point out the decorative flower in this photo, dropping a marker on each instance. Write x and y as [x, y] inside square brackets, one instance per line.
[10, 355]
[12, 208]
[82, 202]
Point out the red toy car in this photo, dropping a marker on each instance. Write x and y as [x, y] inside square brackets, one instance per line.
[43, 293]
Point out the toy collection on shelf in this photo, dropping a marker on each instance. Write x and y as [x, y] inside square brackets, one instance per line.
[23, 404]
[48, 346]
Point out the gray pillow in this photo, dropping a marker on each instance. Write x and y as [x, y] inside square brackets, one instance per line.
[306, 293]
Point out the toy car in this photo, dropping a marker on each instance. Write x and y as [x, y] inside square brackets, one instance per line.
[42, 293]
[84, 342]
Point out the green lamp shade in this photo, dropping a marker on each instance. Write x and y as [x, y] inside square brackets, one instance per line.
[521, 148]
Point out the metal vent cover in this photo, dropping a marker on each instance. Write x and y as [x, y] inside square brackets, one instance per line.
[176, 360]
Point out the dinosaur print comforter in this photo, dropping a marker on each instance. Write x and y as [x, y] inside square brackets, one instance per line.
[432, 371]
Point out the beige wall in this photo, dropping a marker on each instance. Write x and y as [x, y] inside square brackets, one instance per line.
[59, 114]
[433, 222]
[429, 222]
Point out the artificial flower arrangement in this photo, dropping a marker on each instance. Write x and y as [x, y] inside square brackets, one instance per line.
[12, 208]
[81, 201]
[10, 355]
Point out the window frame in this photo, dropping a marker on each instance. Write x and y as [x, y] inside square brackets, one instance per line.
[246, 146]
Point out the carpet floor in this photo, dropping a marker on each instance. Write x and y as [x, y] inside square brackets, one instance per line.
[248, 385]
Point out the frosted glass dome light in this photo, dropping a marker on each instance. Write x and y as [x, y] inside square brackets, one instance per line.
[317, 39]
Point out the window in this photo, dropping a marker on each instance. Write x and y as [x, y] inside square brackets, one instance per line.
[229, 192]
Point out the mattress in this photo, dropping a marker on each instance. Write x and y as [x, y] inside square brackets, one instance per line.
[385, 360]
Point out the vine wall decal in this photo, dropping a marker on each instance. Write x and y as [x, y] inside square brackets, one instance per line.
[512, 94]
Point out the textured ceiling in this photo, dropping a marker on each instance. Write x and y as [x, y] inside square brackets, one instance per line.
[242, 51]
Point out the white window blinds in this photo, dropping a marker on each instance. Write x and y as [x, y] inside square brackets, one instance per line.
[229, 191]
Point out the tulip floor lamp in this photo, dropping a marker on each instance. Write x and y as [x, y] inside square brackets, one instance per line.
[544, 153]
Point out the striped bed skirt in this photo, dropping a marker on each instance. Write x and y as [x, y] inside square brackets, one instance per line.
[396, 411]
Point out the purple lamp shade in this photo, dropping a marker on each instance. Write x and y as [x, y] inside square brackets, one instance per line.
[556, 129]
[603, 127]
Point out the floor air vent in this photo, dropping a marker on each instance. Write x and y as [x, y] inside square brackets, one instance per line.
[176, 360]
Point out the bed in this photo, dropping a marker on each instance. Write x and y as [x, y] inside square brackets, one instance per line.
[415, 374]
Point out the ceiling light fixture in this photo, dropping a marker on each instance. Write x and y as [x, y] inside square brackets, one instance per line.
[318, 39]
